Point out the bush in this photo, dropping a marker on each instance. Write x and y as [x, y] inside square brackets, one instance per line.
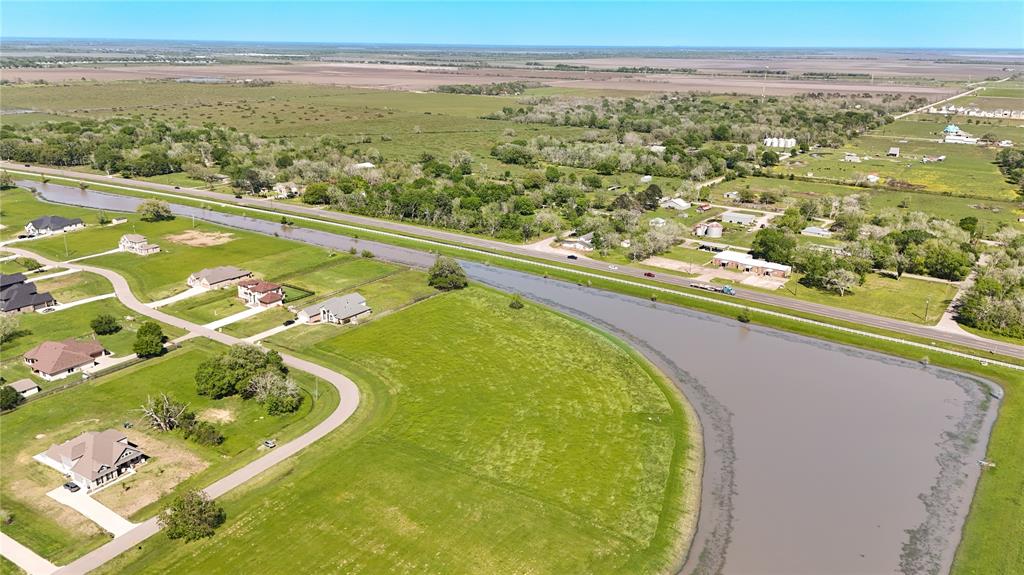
[201, 432]
[9, 399]
[105, 324]
[516, 302]
[191, 516]
[367, 254]
[446, 274]
[29, 264]
[744, 316]
[316, 193]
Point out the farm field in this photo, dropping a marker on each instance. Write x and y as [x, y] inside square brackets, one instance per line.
[967, 170]
[60, 534]
[34, 328]
[992, 214]
[438, 474]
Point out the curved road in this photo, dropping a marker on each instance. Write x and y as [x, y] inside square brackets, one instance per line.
[348, 394]
[453, 239]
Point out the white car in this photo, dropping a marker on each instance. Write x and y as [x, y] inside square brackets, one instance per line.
[613, 267]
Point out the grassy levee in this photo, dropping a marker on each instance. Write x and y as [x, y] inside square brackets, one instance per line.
[60, 534]
[487, 439]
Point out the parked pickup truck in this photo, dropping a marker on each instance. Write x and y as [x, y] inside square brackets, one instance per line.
[727, 290]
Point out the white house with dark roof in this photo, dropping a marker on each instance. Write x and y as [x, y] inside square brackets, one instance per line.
[341, 310]
[47, 225]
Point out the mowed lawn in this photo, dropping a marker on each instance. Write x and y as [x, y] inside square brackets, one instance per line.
[18, 207]
[35, 328]
[60, 534]
[488, 440]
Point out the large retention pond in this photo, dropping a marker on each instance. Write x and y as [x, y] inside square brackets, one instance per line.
[819, 458]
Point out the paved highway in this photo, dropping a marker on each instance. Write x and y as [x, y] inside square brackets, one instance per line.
[932, 333]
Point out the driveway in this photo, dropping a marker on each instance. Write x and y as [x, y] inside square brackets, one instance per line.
[63, 306]
[94, 510]
[272, 331]
[24, 557]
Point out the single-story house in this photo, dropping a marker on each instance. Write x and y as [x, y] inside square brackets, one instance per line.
[25, 387]
[746, 263]
[258, 293]
[137, 244]
[816, 232]
[738, 218]
[94, 458]
[345, 309]
[218, 277]
[57, 359]
[657, 222]
[17, 295]
[894, 152]
[732, 195]
[583, 243]
[677, 204]
[47, 225]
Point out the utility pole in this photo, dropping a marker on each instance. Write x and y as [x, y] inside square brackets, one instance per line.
[927, 304]
[66, 255]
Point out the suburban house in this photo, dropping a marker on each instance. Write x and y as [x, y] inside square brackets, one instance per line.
[25, 387]
[583, 243]
[258, 293]
[893, 152]
[57, 359]
[286, 190]
[17, 295]
[780, 142]
[47, 225]
[94, 458]
[676, 204]
[738, 218]
[744, 262]
[137, 244]
[218, 277]
[345, 309]
[816, 232]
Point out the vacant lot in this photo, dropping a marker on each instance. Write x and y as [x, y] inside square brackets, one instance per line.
[489, 440]
[60, 534]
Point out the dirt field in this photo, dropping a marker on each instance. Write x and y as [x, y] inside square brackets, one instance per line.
[197, 239]
[404, 77]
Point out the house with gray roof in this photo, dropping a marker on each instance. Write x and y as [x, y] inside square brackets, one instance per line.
[47, 225]
[218, 277]
[18, 296]
[94, 458]
[341, 310]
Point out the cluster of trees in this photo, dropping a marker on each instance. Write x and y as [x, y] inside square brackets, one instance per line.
[824, 119]
[248, 371]
[446, 274]
[494, 89]
[9, 399]
[995, 302]
[165, 414]
[1011, 164]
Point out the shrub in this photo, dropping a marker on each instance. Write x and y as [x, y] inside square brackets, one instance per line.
[9, 399]
[446, 274]
[191, 516]
[516, 302]
[105, 324]
[149, 341]
[155, 211]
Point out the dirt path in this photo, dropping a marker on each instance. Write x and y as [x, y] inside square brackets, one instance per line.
[347, 390]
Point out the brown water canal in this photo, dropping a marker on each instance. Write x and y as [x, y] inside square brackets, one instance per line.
[819, 459]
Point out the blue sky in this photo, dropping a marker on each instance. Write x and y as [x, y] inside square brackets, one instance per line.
[823, 23]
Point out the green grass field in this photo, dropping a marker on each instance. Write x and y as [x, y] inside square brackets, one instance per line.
[18, 207]
[538, 446]
[60, 534]
[76, 286]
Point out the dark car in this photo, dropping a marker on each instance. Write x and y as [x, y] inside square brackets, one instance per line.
[28, 165]
[289, 321]
[649, 274]
[177, 187]
[573, 257]
[71, 486]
